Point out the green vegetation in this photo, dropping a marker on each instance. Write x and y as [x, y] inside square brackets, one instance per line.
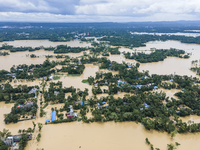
[23, 141]
[24, 102]
[158, 55]
[56, 77]
[195, 69]
[67, 49]
[5, 133]
[19, 49]
[38, 137]
[4, 53]
[3, 146]
[60, 49]
[33, 56]
[85, 81]
[73, 69]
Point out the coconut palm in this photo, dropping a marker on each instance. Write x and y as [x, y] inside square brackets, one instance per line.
[5, 133]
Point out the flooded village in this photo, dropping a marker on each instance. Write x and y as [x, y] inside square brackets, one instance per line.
[64, 110]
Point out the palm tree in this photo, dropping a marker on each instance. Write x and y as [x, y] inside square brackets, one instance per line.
[173, 134]
[5, 133]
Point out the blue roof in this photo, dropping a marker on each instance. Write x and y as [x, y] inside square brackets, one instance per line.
[53, 116]
[48, 120]
[139, 86]
[129, 66]
[146, 105]
[81, 103]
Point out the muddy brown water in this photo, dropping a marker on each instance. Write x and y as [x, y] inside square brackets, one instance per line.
[170, 65]
[45, 43]
[110, 135]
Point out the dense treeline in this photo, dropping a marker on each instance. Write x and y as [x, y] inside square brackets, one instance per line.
[117, 34]
[10, 94]
[67, 49]
[4, 75]
[19, 49]
[157, 55]
[33, 71]
[129, 40]
[58, 50]
[73, 69]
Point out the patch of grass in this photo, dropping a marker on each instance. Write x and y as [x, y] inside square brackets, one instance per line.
[85, 81]
[56, 77]
[58, 73]
[45, 106]
[74, 75]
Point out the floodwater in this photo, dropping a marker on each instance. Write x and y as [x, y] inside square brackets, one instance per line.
[170, 65]
[194, 118]
[169, 93]
[177, 34]
[76, 81]
[45, 43]
[24, 58]
[108, 136]
[97, 136]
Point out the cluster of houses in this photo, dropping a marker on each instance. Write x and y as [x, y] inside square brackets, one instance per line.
[13, 141]
[80, 35]
[50, 78]
[121, 83]
[104, 105]
[99, 106]
[13, 75]
[28, 105]
[33, 90]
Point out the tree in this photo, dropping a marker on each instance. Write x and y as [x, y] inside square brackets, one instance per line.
[137, 65]
[29, 130]
[38, 137]
[23, 141]
[20, 131]
[177, 144]
[5, 133]
[171, 147]
[147, 141]
[34, 125]
[3, 146]
[173, 134]
[40, 126]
